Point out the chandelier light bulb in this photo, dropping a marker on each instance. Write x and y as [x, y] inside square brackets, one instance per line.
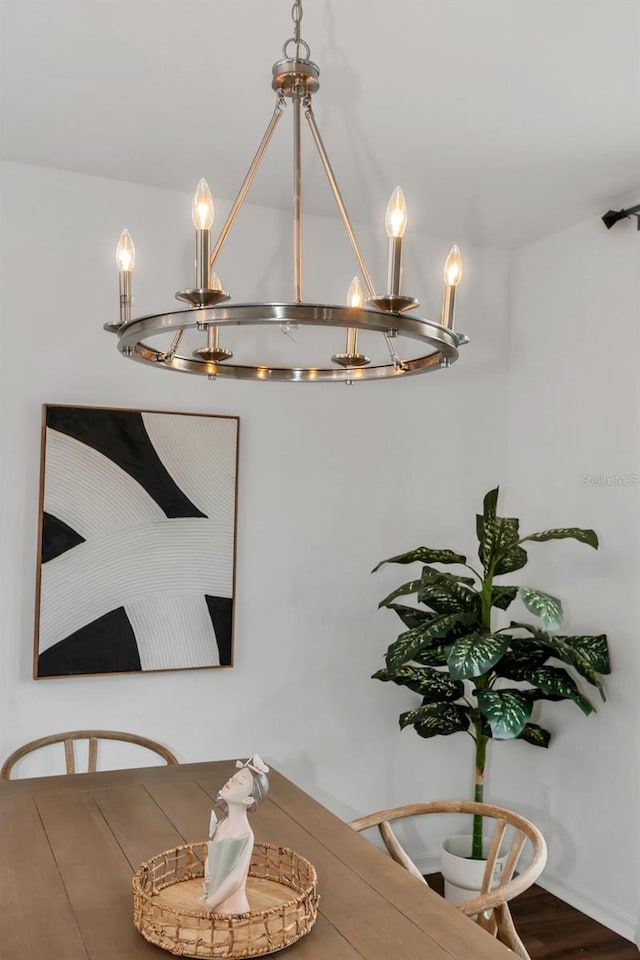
[125, 253]
[215, 282]
[355, 294]
[395, 220]
[202, 209]
[453, 268]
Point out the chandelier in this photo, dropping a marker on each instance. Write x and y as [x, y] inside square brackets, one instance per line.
[410, 344]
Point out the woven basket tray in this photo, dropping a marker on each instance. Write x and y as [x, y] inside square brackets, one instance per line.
[282, 891]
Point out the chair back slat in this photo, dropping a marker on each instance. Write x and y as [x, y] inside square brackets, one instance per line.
[93, 754]
[492, 856]
[511, 862]
[398, 852]
[487, 920]
[69, 756]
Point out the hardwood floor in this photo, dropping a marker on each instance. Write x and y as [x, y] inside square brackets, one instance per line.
[552, 930]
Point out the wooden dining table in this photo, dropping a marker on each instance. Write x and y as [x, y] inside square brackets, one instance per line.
[69, 846]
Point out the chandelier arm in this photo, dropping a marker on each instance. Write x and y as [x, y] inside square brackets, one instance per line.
[297, 200]
[393, 353]
[366, 276]
[175, 343]
[244, 189]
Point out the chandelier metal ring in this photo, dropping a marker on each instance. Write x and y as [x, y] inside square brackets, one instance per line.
[444, 343]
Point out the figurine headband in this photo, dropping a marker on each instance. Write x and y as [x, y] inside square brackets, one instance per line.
[254, 763]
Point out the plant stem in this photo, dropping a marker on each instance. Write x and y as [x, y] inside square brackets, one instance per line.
[481, 739]
[481, 756]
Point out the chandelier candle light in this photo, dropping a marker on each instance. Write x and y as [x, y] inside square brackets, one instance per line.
[386, 316]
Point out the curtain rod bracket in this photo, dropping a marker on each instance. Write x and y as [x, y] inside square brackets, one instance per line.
[612, 217]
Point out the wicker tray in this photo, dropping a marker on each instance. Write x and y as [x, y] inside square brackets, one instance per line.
[282, 891]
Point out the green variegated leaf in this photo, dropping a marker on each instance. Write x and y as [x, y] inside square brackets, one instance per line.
[581, 662]
[502, 550]
[432, 573]
[563, 533]
[409, 717]
[594, 649]
[578, 655]
[498, 539]
[433, 685]
[401, 650]
[503, 597]
[432, 651]
[507, 711]
[408, 644]
[489, 507]
[512, 557]
[442, 600]
[438, 687]
[504, 534]
[548, 608]
[523, 654]
[535, 735]
[439, 626]
[424, 555]
[410, 616]
[475, 654]
[447, 594]
[490, 502]
[412, 586]
[440, 719]
[432, 655]
[556, 682]
[486, 527]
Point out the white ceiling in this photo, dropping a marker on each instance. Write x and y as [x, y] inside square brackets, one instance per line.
[503, 120]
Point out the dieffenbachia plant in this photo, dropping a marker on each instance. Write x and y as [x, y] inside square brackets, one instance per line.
[463, 668]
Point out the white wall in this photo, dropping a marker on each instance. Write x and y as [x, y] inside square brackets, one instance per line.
[331, 480]
[573, 459]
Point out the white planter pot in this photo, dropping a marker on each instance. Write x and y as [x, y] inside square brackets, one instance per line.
[463, 876]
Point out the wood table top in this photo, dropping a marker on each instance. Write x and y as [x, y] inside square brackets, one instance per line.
[69, 846]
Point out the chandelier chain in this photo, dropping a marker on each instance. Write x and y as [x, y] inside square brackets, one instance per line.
[296, 16]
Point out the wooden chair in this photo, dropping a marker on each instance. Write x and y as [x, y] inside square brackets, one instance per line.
[92, 736]
[489, 909]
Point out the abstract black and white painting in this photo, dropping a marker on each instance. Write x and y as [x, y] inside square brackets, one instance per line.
[137, 541]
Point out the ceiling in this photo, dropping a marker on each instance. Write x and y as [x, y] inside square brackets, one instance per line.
[503, 120]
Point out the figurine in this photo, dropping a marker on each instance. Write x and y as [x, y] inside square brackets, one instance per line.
[231, 839]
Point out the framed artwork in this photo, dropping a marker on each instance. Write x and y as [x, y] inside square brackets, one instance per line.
[136, 559]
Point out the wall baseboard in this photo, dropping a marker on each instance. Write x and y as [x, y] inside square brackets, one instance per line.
[593, 907]
[429, 863]
[604, 913]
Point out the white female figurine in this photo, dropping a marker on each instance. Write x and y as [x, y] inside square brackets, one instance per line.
[231, 840]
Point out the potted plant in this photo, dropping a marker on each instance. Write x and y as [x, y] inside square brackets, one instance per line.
[464, 667]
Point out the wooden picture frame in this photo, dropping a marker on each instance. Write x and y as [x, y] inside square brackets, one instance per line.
[136, 541]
